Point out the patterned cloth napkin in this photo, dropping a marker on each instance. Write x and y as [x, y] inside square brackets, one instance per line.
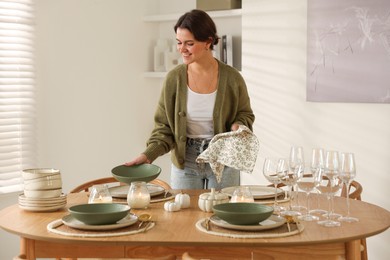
[237, 149]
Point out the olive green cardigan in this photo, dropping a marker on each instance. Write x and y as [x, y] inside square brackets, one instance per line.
[232, 105]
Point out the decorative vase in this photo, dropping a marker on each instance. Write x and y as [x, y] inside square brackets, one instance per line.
[159, 53]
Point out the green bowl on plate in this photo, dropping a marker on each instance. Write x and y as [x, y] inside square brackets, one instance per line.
[141, 172]
[243, 213]
[99, 213]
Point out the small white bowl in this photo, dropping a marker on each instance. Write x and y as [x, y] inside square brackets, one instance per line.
[30, 174]
[48, 183]
[42, 193]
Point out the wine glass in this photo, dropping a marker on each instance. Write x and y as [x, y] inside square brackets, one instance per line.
[317, 161]
[290, 176]
[296, 160]
[347, 174]
[329, 186]
[272, 169]
[309, 180]
[332, 170]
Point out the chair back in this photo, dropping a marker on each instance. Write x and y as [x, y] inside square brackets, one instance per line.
[85, 186]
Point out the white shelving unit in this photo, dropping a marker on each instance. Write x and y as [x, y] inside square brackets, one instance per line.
[161, 18]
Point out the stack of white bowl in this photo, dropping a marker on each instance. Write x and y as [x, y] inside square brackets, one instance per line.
[42, 190]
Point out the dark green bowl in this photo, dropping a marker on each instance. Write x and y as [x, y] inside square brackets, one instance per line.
[142, 172]
[242, 213]
[99, 213]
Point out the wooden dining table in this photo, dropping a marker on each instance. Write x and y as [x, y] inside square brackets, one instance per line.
[176, 233]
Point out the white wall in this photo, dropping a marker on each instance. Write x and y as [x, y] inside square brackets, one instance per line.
[96, 108]
[274, 66]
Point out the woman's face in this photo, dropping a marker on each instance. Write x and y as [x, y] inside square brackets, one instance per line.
[190, 49]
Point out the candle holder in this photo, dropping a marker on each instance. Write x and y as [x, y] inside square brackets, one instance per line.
[138, 196]
[99, 194]
[242, 194]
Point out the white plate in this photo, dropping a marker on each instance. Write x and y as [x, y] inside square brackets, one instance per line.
[62, 197]
[38, 205]
[43, 202]
[258, 191]
[121, 191]
[270, 223]
[42, 208]
[70, 221]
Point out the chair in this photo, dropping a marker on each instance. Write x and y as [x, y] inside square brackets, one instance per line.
[356, 191]
[187, 256]
[85, 186]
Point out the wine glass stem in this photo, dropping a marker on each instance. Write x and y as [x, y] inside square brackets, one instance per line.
[318, 200]
[329, 207]
[332, 187]
[307, 202]
[275, 199]
[347, 188]
[296, 195]
[291, 197]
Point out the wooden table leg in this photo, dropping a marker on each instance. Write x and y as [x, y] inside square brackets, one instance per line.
[352, 250]
[22, 250]
[29, 248]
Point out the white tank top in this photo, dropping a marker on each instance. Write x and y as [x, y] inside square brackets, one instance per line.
[200, 109]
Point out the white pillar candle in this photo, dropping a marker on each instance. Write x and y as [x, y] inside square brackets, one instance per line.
[101, 199]
[139, 201]
[138, 196]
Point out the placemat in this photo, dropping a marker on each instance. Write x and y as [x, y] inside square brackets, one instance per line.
[59, 228]
[281, 231]
[154, 199]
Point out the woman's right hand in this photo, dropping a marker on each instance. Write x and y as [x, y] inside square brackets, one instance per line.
[141, 159]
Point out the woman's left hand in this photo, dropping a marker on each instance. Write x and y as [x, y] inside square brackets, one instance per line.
[235, 127]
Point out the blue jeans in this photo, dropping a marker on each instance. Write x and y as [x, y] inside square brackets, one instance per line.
[199, 175]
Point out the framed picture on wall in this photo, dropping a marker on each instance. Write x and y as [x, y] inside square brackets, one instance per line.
[348, 57]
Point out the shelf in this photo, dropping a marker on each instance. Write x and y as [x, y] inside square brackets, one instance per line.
[174, 17]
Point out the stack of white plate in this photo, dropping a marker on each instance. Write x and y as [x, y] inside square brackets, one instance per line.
[42, 204]
[42, 190]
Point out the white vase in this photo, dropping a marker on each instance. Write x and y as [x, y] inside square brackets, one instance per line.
[172, 58]
[159, 54]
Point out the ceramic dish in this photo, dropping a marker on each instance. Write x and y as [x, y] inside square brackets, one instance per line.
[243, 213]
[37, 173]
[70, 221]
[121, 191]
[42, 208]
[43, 194]
[142, 172]
[270, 223]
[258, 191]
[23, 198]
[99, 213]
[34, 204]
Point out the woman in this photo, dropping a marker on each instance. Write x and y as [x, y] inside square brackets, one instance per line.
[200, 98]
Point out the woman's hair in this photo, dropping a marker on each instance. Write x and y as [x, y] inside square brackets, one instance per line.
[200, 24]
